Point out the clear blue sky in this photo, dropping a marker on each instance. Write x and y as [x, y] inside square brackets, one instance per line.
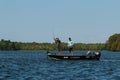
[85, 21]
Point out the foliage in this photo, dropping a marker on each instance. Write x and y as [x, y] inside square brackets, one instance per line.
[8, 45]
[113, 43]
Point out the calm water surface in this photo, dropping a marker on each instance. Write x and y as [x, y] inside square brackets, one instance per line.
[35, 65]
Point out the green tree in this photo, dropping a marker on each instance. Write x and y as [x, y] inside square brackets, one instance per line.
[113, 43]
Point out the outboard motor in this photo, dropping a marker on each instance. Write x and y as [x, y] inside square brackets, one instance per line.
[98, 54]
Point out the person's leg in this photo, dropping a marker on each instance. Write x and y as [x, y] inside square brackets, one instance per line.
[72, 52]
[60, 50]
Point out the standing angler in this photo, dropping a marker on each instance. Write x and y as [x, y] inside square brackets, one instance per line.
[59, 46]
[70, 46]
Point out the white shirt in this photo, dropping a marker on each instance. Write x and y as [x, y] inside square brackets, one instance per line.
[70, 43]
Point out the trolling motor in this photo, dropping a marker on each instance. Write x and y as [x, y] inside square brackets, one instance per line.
[48, 53]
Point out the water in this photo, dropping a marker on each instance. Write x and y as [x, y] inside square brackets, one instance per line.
[35, 65]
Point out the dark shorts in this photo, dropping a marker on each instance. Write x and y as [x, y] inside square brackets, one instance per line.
[71, 49]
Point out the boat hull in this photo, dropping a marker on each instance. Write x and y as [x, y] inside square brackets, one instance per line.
[73, 57]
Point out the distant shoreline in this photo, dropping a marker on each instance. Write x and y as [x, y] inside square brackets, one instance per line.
[112, 44]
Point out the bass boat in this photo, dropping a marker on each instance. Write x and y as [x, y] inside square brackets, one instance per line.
[87, 56]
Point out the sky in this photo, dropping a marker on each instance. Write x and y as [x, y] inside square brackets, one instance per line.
[85, 21]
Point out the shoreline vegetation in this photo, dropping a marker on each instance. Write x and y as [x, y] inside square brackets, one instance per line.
[112, 44]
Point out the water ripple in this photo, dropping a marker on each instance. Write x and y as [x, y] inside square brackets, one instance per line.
[35, 65]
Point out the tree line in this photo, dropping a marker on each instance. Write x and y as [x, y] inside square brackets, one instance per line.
[9, 45]
[113, 44]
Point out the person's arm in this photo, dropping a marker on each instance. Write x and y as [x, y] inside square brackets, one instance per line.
[56, 40]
